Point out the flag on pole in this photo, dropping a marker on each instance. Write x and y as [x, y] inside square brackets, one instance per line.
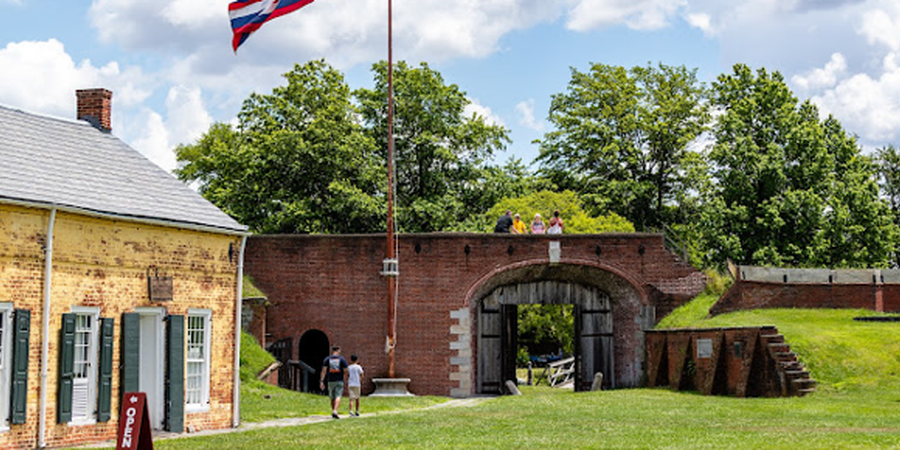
[248, 15]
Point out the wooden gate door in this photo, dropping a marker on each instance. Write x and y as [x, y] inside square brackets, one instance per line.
[489, 345]
[594, 349]
[497, 339]
[509, 336]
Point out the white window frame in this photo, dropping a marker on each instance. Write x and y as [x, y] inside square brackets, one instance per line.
[202, 404]
[93, 361]
[6, 332]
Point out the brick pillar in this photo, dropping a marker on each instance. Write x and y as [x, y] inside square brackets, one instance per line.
[95, 106]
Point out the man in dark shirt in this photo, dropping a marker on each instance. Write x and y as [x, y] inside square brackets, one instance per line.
[334, 368]
[504, 223]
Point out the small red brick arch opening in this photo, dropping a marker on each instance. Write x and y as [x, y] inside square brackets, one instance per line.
[312, 348]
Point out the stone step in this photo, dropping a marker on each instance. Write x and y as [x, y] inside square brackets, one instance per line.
[791, 365]
[780, 347]
[802, 392]
[786, 356]
[797, 373]
[772, 338]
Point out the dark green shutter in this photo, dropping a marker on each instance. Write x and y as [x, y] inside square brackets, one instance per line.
[66, 369]
[104, 388]
[175, 375]
[129, 356]
[19, 394]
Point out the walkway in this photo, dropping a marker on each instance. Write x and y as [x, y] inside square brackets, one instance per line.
[297, 421]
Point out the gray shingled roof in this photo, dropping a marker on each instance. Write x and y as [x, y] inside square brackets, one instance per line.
[69, 163]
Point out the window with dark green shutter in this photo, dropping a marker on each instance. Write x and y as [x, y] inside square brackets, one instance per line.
[104, 386]
[175, 374]
[130, 355]
[19, 374]
[66, 369]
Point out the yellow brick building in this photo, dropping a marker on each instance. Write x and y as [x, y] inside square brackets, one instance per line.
[114, 277]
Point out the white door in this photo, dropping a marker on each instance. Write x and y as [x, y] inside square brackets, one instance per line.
[152, 363]
[5, 362]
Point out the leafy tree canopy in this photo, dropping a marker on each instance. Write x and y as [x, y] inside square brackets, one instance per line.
[623, 141]
[440, 152]
[789, 189]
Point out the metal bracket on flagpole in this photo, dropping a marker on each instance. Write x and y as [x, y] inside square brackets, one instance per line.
[390, 267]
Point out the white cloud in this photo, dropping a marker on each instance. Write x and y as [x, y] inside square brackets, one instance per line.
[882, 26]
[866, 105]
[156, 136]
[153, 139]
[45, 79]
[823, 77]
[636, 14]
[187, 118]
[351, 32]
[701, 21]
[526, 115]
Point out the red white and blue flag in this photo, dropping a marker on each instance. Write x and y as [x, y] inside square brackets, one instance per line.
[248, 15]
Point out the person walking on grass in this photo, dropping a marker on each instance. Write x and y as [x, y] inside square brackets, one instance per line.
[354, 385]
[334, 368]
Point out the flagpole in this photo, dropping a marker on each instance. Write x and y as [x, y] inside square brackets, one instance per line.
[391, 253]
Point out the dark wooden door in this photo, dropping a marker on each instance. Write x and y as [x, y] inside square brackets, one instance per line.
[490, 333]
[593, 338]
[509, 335]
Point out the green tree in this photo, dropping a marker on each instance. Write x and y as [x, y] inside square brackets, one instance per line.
[298, 161]
[789, 189]
[546, 328]
[440, 153]
[623, 140]
[888, 160]
[569, 205]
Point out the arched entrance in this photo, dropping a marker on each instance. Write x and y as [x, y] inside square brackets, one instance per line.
[497, 331]
[312, 349]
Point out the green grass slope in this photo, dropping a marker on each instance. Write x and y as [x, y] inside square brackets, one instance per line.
[839, 352]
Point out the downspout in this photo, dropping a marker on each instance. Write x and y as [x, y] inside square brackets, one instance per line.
[45, 332]
[236, 401]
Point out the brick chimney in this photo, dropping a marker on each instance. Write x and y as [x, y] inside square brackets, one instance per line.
[95, 106]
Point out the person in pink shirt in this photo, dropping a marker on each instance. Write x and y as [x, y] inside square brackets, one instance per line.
[537, 226]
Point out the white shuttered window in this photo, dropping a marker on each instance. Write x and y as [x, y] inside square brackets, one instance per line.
[196, 389]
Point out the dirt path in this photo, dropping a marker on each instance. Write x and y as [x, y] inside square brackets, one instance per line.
[298, 421]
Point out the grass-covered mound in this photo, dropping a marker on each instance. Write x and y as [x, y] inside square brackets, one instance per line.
[839, 352]
[254, 359]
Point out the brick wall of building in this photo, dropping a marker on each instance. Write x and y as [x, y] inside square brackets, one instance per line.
[332, 284]
[104, 263]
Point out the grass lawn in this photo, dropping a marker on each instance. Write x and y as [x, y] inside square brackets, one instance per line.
[634, 418]
[857, 404]
[261, 402]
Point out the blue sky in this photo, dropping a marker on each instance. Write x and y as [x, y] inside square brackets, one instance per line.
[172, 71]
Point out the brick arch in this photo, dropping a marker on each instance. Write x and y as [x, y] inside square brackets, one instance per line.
[630, 304]
[539, 270]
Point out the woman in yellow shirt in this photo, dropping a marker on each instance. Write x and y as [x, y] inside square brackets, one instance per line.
[518, 226]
